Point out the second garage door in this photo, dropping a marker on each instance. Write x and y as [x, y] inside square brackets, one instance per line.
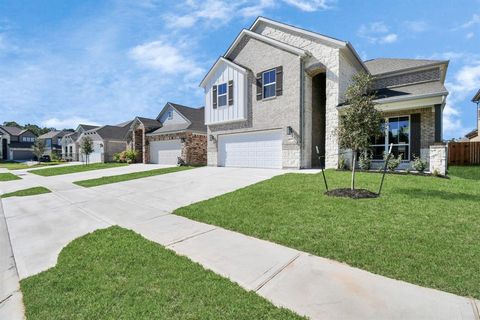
[261, 149]
[165, 152]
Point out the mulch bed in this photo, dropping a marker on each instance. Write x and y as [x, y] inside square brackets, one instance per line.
[354, 194]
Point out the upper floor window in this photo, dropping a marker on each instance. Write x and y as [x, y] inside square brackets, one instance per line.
[170, 114]
[222, 95]
[269, 83]
[28, 139]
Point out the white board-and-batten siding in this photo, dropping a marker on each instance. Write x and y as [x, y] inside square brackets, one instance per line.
[229, 113]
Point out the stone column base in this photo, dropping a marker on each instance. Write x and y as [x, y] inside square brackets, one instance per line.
[438, 159]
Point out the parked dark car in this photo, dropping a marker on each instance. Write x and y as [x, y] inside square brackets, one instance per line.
[45, 158]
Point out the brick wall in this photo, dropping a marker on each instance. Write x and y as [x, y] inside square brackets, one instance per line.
[194, 147]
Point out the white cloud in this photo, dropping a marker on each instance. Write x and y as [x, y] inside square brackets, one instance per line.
[164, 57]
[309, 6]
[470, 35]
[465, 82]
[470, 23]
[377, 32]
[67, 122]
[416, 25]
[215, 13]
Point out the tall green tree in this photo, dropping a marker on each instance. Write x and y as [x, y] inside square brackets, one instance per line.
[11, 124]
[86, 146]
[361, 120]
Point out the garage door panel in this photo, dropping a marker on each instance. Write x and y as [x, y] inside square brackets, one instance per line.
[165, 152]
[257, 150]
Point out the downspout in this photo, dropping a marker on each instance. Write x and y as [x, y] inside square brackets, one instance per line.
[302, 112]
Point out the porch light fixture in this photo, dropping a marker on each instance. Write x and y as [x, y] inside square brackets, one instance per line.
[289, 131]
[182, 140]
[212, 138]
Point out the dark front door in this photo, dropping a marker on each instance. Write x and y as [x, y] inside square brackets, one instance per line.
[4, 149]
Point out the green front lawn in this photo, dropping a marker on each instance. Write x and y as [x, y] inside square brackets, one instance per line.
[8, 177]
[117, 274]
[12, 165]
[128, 176]
[26, 192]
[75, 168]
[423, 230]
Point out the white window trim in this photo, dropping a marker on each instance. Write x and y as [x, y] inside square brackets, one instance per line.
[221, 95]
[387, 143]
[270, 84]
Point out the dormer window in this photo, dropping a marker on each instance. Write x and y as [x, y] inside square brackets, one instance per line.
[269, 84]
[222, 95]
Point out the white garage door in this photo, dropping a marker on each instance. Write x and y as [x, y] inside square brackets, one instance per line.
[165, 152]
[254, 150]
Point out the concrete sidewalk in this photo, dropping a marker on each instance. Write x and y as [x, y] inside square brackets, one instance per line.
[319, 288]
[11, 306]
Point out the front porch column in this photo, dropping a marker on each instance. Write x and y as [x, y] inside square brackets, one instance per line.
[438, 123]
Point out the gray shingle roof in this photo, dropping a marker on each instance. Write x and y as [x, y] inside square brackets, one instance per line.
[149, 123]
[53, 134]
[419, 89]
[476, 97]
[386, 65]
[111, 132]
[472, 134]
[87, 127]
[14, 131]
[196, 116]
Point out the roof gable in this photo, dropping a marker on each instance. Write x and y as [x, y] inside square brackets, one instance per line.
[272, 42]
[383, 66]
[220, 62]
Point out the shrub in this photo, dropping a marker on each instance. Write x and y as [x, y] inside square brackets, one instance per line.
[393, 162]
[130, 156]
[419, 164]
[365, 160]
[117, 156]
[54, 157]
[342, 163]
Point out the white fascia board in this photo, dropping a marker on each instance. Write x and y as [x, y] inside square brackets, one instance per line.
[217, 64]
[225, 122]
[332, 41]
[265, 39]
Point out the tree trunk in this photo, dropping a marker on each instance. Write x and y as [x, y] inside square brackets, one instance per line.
[354, 160]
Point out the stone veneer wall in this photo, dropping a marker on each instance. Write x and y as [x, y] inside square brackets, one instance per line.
[438, 159]
[339, 71]
[194, 149]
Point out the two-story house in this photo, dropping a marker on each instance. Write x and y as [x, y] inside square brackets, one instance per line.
[278, 93]
[52, 141]
[16, 143]
[474, 134]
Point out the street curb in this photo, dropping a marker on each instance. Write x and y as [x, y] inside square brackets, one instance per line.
[11, 299]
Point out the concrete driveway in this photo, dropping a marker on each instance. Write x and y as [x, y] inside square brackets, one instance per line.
[40, 226]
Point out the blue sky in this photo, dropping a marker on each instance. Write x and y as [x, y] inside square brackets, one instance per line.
[65, 62]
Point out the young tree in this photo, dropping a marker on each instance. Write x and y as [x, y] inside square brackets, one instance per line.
[361, 120]
[38, 149]
[87, 147]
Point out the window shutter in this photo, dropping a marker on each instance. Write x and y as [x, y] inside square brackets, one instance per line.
[259, 86]
[214, 97]
[415, 135]
[230, 92]
[279, 80]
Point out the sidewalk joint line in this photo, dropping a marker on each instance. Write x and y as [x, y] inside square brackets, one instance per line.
[190, 237]
[263, 283]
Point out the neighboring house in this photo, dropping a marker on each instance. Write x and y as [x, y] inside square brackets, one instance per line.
[53, 141]
[107, 140]
[474, 134]
[278, 93]
[16, 143]
[71, 143]
[177, 132]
